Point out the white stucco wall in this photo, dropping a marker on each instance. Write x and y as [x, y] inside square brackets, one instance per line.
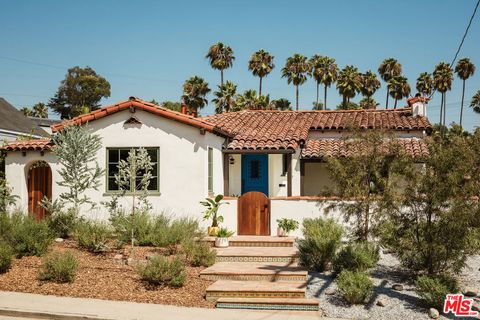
[183, 162]
[317, 179]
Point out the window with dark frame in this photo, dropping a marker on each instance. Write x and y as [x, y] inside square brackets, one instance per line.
[114, 155]
[284, 164]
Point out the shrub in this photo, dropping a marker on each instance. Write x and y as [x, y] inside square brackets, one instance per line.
[167, 232]
[322, 239]
[26, 236]
[93, 235]
[160, 270]
[354, 286]
[358, 256]
[62, 223]
[59, 267]
[140, 223]
[287, 225]
[6, 254]
[199, 253]
[433, 289]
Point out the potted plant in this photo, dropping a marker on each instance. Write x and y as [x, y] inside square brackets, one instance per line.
[222, 237]
[211, 213]
[285, 226]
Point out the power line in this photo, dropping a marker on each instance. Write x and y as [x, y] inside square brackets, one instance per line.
[465, 34]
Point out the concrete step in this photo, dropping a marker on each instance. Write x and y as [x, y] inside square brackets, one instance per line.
[254, 271]
[257, 241]
[298, 304]
[256, 289]
[257, 254]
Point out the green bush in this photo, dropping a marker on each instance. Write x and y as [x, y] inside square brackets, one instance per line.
[433, 289]
[140, 223]
[6, 254]
[160, 270]
[93, 235]
[167, 232]
[62, 223]
[354, 286]
[358, 256]
[25, 236]
[59, 267]
[322, 239]
[199, 253]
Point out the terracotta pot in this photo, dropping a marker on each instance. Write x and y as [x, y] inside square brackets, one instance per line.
[281, 232]
[221, 242]
[212, 231]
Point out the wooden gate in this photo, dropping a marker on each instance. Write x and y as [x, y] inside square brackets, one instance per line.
[39, 186]
[253, 214]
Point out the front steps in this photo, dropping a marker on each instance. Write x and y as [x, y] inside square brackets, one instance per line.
[298, 304]
[259, 273]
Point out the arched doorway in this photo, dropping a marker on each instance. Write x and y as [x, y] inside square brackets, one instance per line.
[39, 186]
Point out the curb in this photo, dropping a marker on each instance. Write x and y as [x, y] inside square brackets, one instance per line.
[46, 315]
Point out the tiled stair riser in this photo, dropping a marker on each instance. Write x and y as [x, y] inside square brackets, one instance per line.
[267, 306]
[260, 244]
[257, 259]
[242, 277]
[214, 295]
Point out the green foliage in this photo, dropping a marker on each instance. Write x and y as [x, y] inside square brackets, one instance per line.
[93, 235]
[358, 256]
[288, 225]
[195, 91]
[261, 64]
[199, 253]
[59, 267]
[225, 97]
[160, 270]
[24, 235]
[60, 220]
[140, 225]
[211, 209]
[6, 254]
[354, 286]
[6, 197]
[169, 232]
[224, 233]
[76, 150]
[322, 239]
[349, 83]
[430, 227]
[433, 289]
[80, 92]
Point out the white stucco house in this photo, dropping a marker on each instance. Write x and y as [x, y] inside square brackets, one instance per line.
[277, 153]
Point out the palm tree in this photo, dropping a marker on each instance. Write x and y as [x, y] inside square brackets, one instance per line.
[40, 110]
[282, 104]
[296, 69]
[348, 84]
[225, 97]
[399, 88]
[475, 103]
[261, 64]
[442, 82]
[26, 111]
[388, 69]
[247, 101]
[324, 71]
[464, 70]
[369, 85]
[425, 84]
[368, 103]
[221, 58]
[263, 103]
[195, 91]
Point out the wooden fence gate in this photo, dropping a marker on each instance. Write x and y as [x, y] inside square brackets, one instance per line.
[253, 216]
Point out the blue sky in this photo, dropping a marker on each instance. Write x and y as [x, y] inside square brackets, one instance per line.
[148, 48]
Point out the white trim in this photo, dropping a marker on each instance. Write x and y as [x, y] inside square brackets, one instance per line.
[17, 133]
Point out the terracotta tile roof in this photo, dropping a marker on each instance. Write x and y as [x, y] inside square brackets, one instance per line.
[137, 103]
[24, 145]
[316, 149]
[271, 129]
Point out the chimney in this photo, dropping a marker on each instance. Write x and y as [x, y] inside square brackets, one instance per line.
[418, 105]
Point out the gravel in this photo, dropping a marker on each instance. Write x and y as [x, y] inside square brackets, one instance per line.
[401, 305]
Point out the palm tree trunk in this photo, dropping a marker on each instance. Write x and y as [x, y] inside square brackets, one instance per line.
[296, 94]
[221, 77]
[260, 89]
[318, 87]
[325, 98]
[395, 105]
[445, 109]
[461, 108]
[387, 99]
[441, 113]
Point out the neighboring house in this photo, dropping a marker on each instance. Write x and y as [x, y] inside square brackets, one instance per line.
[45, 123]
[13, 124]
[278, 153]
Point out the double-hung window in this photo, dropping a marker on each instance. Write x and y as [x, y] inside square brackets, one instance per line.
[114, 155]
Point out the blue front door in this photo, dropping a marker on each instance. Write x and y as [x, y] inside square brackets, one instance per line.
[255, 173]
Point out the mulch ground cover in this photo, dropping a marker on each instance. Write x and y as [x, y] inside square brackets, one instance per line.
[100, 276]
